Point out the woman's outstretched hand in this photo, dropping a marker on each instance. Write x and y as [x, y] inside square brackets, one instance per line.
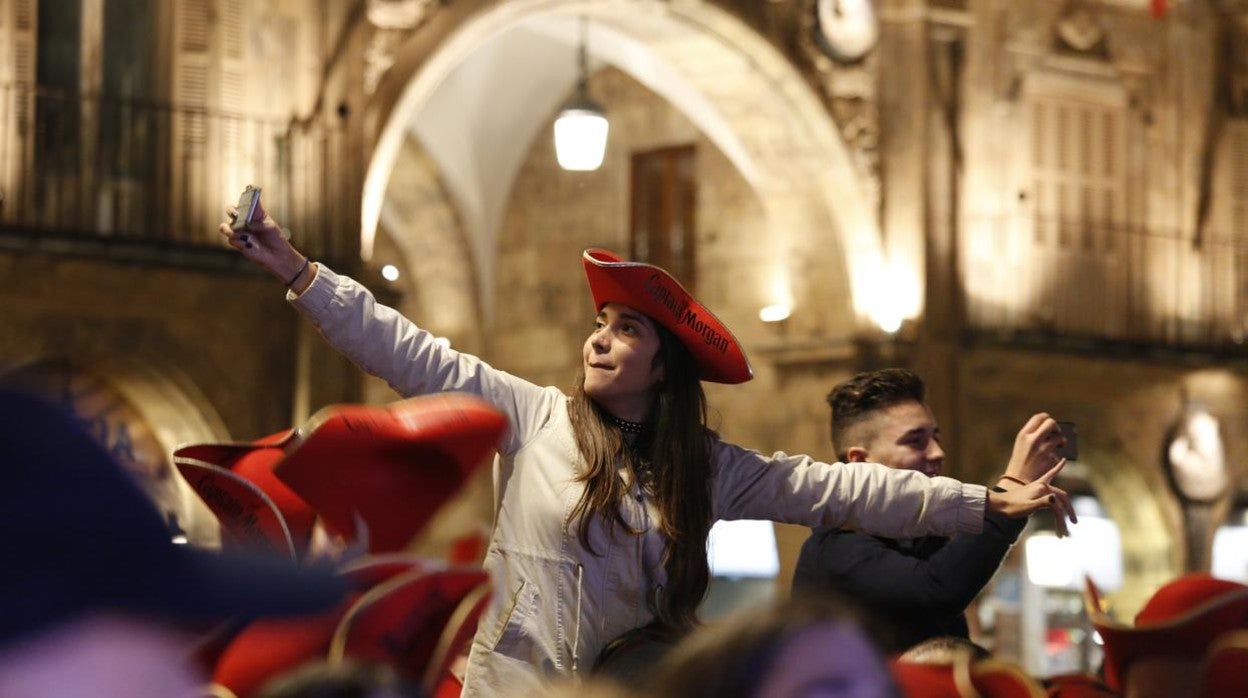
[1022, 500]
[262, 242]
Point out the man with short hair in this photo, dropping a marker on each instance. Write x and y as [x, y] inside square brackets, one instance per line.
[919, 588]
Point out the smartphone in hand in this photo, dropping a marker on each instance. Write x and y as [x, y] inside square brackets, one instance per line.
[1070, 451]
[248, 202]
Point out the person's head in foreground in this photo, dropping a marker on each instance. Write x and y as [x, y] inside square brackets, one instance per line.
[94, 592]
[802, 648]
[943, 650]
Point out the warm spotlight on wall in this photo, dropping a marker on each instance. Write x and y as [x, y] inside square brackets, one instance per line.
[891, 296]
[774, 313]
[581, 129]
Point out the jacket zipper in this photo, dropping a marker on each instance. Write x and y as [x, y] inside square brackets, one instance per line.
[576, 627]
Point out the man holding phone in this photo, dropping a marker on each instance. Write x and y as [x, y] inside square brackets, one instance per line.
[921, 587]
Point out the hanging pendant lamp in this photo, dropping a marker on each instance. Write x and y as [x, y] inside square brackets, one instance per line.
[581, 129]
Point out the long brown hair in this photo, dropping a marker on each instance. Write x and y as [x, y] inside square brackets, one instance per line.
[677, 445]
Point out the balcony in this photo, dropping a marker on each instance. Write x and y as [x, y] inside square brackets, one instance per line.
[92, 172]
[1128, 285]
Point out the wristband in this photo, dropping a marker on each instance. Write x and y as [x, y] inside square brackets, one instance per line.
[293, 279]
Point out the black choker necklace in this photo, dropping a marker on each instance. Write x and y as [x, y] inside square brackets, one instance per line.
[626, 426]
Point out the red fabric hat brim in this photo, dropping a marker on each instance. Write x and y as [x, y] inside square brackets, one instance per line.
[963, 678]
[457, 636]
[1186, 634]
[997, 679]
[400, 622]
[269, 648]
[248, 517]
[926, 680]
[254, 462]
[1225, 670]
[369, 571]
[652, 291]
[393, 465]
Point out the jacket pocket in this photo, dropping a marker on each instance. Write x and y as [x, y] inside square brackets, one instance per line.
[513, 628]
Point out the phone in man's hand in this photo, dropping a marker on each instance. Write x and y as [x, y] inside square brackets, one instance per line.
[248, 201]
[1070, 451]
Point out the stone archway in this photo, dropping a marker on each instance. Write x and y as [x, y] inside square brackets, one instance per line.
[140, 415]
[820, 240]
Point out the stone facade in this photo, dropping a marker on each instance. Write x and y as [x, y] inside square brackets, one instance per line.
[1051, 196]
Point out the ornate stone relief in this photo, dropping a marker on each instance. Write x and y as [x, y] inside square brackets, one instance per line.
[1080, 31]
[1081, 38]
[391, 21]
[850, 90]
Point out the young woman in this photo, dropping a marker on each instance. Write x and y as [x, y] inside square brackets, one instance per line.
[603, 499]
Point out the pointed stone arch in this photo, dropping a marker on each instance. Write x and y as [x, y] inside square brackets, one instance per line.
[821, 239]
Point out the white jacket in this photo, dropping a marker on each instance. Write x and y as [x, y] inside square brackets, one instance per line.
[555, 604]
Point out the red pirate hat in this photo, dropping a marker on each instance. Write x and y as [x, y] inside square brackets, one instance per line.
[394, 465]
[1181, 619]
[928, 680]
[963, 678]
[456, 637]
[369, 571]
[1078, 686]
[267, 649]
[237, 483]
[401, 622]
[651, 290]
[1225, 671]
[249, 518]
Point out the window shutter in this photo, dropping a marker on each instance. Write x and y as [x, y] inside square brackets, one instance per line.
[238, 163]
[1078, 192]
[191, 79]
[17, 124]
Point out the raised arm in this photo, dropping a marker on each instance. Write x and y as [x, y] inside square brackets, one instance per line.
[383, 343]
[1034, 455]
[862, 496]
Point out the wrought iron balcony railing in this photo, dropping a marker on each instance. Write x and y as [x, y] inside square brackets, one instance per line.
[91, 166]
[1120, 283]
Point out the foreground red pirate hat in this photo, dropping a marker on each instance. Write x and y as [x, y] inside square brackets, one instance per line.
[651, 290]
[401, 622]
[236, 482]
[393, 465]
[455, 640]
[267, 649]
[964, 678]
[1077, 686]
[1225, 670]
[1181, 620]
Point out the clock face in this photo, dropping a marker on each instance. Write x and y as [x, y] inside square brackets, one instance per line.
[847, 29]
[1196, 457]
